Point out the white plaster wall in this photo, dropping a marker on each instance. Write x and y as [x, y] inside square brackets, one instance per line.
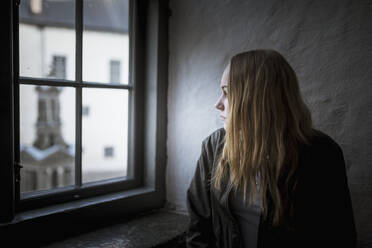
[98, 49]
[106, 125]
[30, 65]
[328, 43]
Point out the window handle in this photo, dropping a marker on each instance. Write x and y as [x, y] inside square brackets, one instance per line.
[17, 171]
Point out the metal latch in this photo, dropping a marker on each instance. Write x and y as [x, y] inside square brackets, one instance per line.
[17, 171]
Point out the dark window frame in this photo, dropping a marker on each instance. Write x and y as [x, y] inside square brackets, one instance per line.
[149, 71]
[35, 199]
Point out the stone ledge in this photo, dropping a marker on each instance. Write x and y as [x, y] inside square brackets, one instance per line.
[160, 229]
[177, 242]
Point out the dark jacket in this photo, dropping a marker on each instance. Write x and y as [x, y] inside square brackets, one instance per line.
[323, 214]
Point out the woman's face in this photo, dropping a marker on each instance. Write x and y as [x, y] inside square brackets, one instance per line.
[222, 104]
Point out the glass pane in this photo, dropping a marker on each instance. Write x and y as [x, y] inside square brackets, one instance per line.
[106, 41]
[47, 137]
[105, 134]
[47, 39]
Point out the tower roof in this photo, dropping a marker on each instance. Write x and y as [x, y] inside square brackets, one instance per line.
[40, 155]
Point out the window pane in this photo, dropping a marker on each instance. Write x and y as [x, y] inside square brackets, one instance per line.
[106, 41]
[47, 39]
[105, 134]
[47, 137]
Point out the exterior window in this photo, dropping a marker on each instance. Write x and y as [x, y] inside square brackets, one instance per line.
[58, 67]
[85, 111]
[109, 152]
[114, 71]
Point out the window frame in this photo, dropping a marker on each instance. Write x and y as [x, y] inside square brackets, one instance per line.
[35, 199]
[147, 120]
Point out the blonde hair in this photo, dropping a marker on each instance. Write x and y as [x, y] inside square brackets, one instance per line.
[267, 121]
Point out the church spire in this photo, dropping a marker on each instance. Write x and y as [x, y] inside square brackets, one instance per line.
[48, 125]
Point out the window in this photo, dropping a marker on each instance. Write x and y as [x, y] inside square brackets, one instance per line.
[58, 67]
[109, 152]
[43, 114]
[53, 100]
[85, 110]
[114, 71]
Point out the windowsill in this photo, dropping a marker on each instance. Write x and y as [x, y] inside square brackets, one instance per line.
[75, 205]
[135, 217]
[158, 228]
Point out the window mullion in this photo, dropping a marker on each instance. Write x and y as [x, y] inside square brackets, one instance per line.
[79, 79]
[17, 156]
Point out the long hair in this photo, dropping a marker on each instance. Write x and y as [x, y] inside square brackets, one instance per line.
[266, 123]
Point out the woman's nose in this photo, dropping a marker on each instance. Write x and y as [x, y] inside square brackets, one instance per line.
[219, 105]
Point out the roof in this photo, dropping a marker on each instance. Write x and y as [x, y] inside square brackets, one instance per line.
[101, 15]
[39, 155]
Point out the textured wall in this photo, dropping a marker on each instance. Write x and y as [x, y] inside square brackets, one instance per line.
[328, 43]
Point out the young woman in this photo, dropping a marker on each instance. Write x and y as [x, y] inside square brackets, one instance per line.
[268, 179]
